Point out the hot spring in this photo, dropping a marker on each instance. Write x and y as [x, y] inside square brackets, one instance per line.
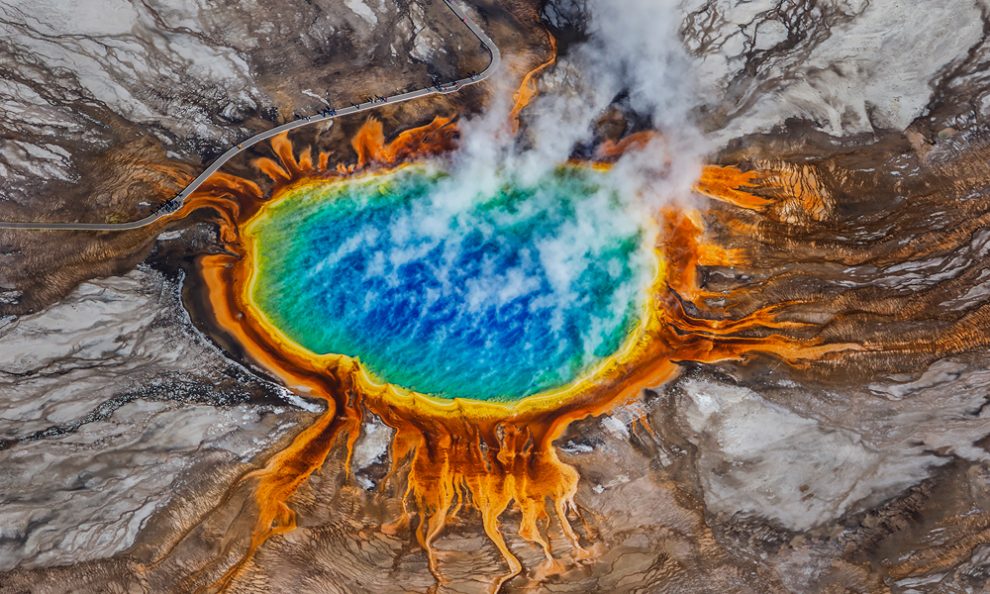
[453, 293]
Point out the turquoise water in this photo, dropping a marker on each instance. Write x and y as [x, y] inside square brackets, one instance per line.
[486, 297]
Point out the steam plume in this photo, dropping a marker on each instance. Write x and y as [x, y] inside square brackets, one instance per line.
[632, 55]
[633, 51]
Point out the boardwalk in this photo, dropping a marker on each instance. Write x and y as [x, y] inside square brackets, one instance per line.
[176, 202]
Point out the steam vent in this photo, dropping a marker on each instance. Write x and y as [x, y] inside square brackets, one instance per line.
[491, 297]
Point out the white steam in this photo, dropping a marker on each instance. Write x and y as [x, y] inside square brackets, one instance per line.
[633, 49]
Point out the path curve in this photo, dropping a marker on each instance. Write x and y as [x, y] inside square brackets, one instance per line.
[176, 202]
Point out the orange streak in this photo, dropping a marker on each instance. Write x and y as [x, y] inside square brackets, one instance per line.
[370, 146]
[273, 170]
[238, 186]
[369, 142]
[612, 149]
[283, 148]
[527, 88]
[306, 159]
[731, 185]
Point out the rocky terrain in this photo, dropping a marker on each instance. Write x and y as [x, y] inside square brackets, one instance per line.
[110, 107]
[122, 420]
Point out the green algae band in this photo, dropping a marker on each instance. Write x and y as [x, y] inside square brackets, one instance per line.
[453, 294]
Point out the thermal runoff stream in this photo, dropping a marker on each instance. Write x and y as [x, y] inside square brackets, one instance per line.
[495, 298]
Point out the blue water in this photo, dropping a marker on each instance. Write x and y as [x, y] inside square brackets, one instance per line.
[493, 298]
